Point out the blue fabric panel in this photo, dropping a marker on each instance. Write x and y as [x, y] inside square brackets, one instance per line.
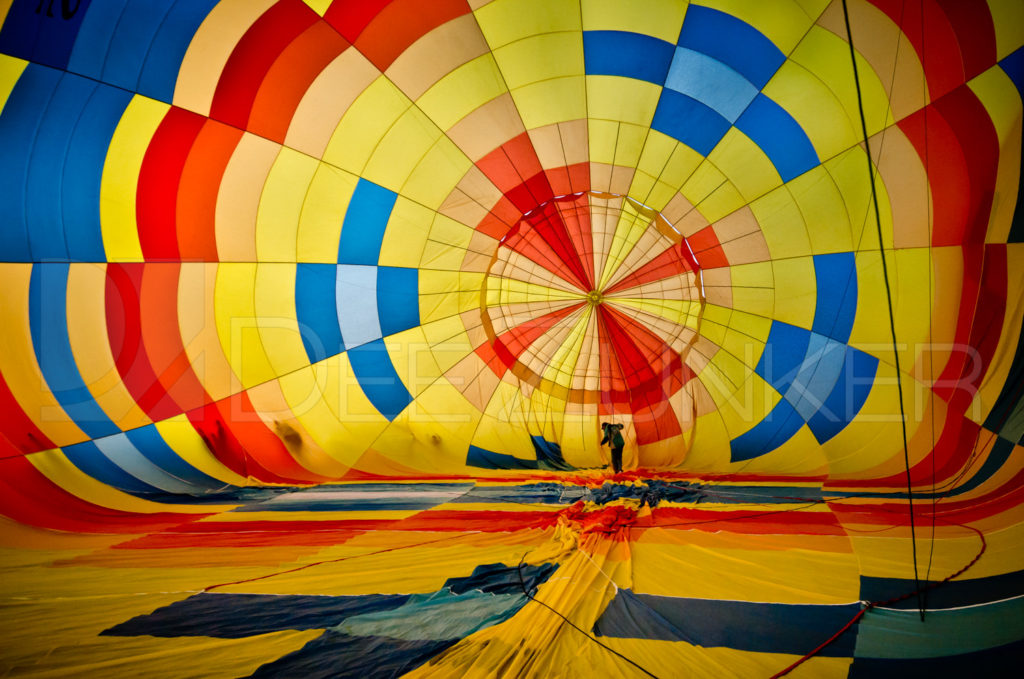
[19, 124]
[148, 441]
[951, 594]
[688, 120]
[83, 173]
[485, 459]
[367, 216]
[317, 311]
[378, 380]
[45, 36]
[777, 427]
[48, 320]
[731, 41]
[94, 38]
[630, 55]
[836, 306]
[130, 45]
[356, 295]
[236, 616]
[1013, 66]
[784, 353]
[1001, 661]
[398, 299]
[710, 82]
[779, 136]
[744, 625]
[91, 460]
[46, 169]
[160, 69]
[120, 450]
[847, 397]
[335, 655]
[817, 376]
[549, 455]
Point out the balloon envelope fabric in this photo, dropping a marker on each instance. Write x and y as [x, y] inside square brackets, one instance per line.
[312, 312]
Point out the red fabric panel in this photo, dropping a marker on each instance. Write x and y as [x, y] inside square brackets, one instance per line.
[178, 388]
[124, 330]
[30, 498]
[157, 195]
[668, 264]
[403, 22]
[196, 207]
[290, 76]
[350, 17]
[261, 444]
[253, 57]
[18, 428]
[936, 46]
[975, 33]
[707, 249]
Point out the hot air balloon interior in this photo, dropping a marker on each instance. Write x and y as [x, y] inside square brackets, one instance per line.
[313, 313]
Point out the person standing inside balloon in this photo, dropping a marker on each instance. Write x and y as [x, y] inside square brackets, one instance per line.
[613, 437]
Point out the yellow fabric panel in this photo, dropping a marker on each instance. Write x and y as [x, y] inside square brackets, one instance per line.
[502, 290]
[1002, 102]
[406, 234]
[799, 456]
[782, 224]
[18, 363]
[90, 345]
[874, 440]
[710, 448]
[711, 193]
[437, 174]
[462, 91]
[724, 375]
[364, 124]
[601, 137]
[783, 22]
[749, 403]
[745, 164]
[401, 149]
[795, 291]
[552, 101]
[628, 231]
[185, 441]
[505, 21]
[666, 159]
[1008, 20]
[822, 208]
[281, 202]
[410, 352]
[121, 175]
[238, 199]
[496, 432]
[744, 327]
[238, 325]
[887, 554]
[753, 287]
[209, 50]
[848, 171]
[675, 658]
[365, 564]
[326, 101]
[436, 54]
[661, 19]
[790, 569]
[274, 295]
[54, 465]
[318, 6]
[447, 232]
[626, 99]
[540, 57]
[326, 201]
[11, 69]
[197, 323]
[327, 400]
[563, 362]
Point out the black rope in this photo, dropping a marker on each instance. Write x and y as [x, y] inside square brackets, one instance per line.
[888, 296]
[522, 583]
